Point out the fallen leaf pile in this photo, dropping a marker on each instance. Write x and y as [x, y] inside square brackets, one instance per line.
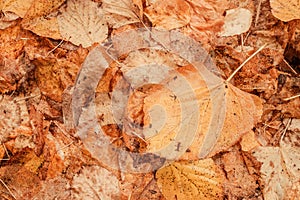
[142, 99]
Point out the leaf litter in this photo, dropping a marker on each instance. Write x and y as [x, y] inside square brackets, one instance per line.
[203, 20]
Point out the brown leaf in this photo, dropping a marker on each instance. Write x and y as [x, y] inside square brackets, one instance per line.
[191, 180]
[82, 22]
[285, 10]
[19, 7]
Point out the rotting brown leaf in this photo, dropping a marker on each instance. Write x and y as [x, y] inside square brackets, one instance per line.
[82, 23]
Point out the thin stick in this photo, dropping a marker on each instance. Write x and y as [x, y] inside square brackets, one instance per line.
[8, 156]
[240, 67]
[8, 189]
[290, 66]
[290, 98]
[285, 129]
[60, 43]
[257, 13]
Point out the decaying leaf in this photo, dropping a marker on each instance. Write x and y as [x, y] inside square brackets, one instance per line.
[122, 12]
[82, 23]
[237, 21]
[191, 180]
[280, 169]
[285, 10]
[95, 182]
[7, 20]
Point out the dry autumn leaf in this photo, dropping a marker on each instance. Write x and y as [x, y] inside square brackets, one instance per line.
[82, 23]
[237, 21]
[41, 18]
[169, 14]
[19, 7]
[285, 10]
[280, 168]
[95, 182]
[201, 179]
[122, 12]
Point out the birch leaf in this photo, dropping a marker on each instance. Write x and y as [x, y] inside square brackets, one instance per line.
[285, 10]
[191, 180]
[82, 23]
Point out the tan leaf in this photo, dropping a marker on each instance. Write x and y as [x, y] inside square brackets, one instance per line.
[122, 12]
[82, 23]
[191, 180]
[285, 10]
[41, 18]
[237, 21]
[169, 14]
[95, 182]
[19, 7]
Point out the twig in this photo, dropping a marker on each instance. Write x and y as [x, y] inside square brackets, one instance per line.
[8, 156]
[285, 129]
[8, 189]
[290, 98]
[257, 12]
[232, 75]
[60, 43]
[28, 97]
[294, 71]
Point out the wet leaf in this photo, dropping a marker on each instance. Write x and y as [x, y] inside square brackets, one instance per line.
[82, 23]
[191, 180]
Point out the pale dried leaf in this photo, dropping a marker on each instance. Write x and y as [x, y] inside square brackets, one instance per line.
[280, 170]
[82, 23]
[286, 10]
[191, 180]
[237, 21]
[8, 20]
[122, 12]
[95, 182]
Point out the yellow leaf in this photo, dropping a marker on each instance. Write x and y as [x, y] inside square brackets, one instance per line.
[82, 22]
[286, 10]
[191, 180]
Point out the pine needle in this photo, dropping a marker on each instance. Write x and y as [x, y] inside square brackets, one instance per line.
[290, 98]
[8, 189]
